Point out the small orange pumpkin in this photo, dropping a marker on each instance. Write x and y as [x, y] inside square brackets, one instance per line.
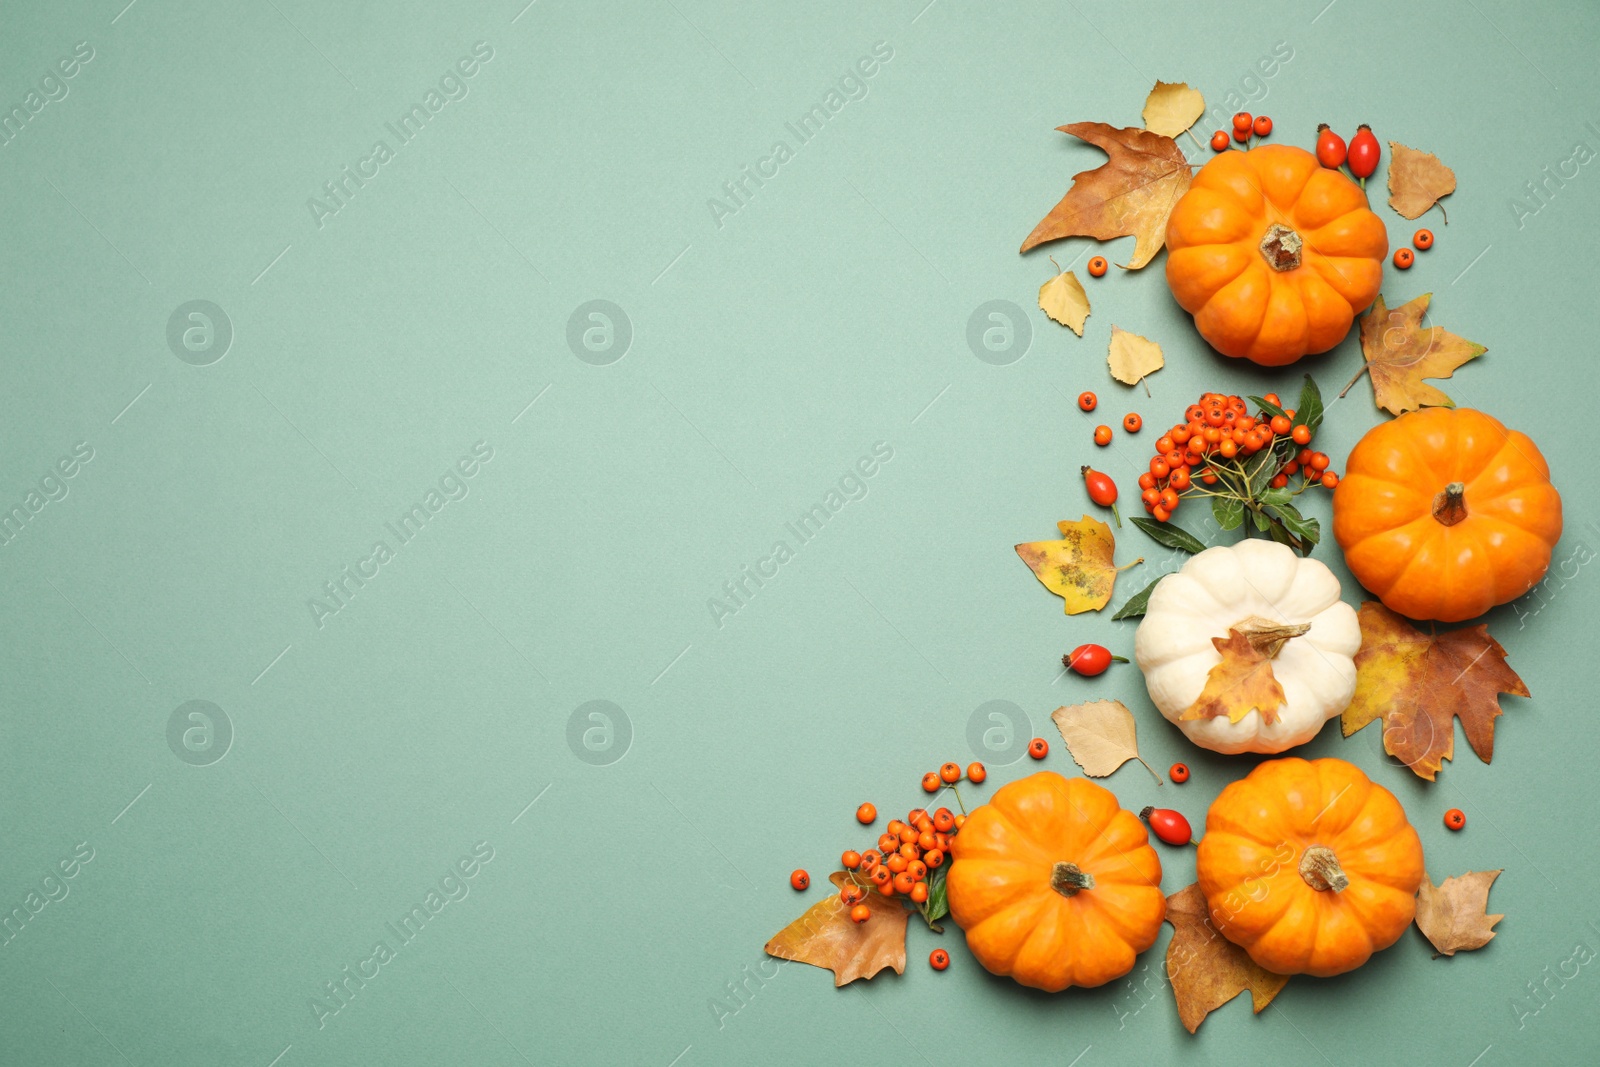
[1443, 513]
[1055, 884]
[1309, 867]
[1273, 254]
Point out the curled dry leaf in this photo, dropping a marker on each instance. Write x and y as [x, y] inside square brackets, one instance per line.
[1063, 299]
[1101, 735]
[826, 937]
[1417, 181]
[1453, 915]
[1132, 357]
[1078, 568]
[1131, 195]
[1418, 683]
[1172, 108]
[1243, 681]
[1400, 352]
[1205, 968]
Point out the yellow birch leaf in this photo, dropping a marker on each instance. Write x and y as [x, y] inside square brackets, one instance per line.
[1132, 357]
[1063, 299]
[1078, 568]
[1172, 107]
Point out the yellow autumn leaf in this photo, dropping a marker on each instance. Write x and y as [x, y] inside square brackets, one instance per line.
[1172, 107]
[1132, 357]
[1063, 299]
[1078, 568]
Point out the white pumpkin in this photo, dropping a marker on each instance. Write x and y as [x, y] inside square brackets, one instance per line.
[1225, 587]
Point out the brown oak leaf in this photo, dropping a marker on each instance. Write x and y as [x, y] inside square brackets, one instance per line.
[825, 936]
[1400, 352]
[1205, 968]
[1130, 195]
[1453, 915]
[1417, 181]
[1418, 683]
[1243, 681]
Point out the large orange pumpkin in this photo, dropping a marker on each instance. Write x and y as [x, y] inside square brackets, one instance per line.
[1055, 884]
[1444, 513]
[1273, 254]
[1309, 866]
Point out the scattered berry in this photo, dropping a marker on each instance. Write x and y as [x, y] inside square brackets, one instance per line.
[1330, 147]
[1364, 152]
[1219, 141]
[865, 814]
[1168, 825]
[1102, 435]
[1422, 240]
[930, 782]
[1262, 126]
[1098, 267]
[860, 913]
[800, 880]
[976, 773]
[1404, 257]
[1242, 121]
[938, 959]
[1132, 422]
[1087, 401]
[1179, 772]
[1455, 819]
[950, 773]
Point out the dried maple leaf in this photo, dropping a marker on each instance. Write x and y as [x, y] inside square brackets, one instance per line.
[1078, 569]
[1063, 299]
[825, 936]
[1417, 181]
[1172, 107]
[1130, 195]
[1205, 968]
[1101, 735]
[1131, 357]
[1417, 683]
[1243, 681]
[1453, 915]
[1400, 352]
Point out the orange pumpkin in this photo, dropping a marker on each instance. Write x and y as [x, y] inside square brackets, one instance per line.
[1443, 513]
[1309, 866]
[1055, 884]
[1273, 254]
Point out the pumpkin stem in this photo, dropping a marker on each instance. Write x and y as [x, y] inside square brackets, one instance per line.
[1268, 637]
[1450, 506]
[1321, 871]
[1067, 879]
[1281, 247]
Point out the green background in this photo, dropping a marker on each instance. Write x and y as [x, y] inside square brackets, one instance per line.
[767, 354]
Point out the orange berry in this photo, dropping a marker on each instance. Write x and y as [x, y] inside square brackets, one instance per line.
[1147, 480]
[1330, 481]
[1180, 434]
[850, 860]
[1132, 422]
[1404, 258]
[1301, 435]
[950, 773]
[925, 841]
[860, 913]
[1208, 478]
[887, 843]
[1455, 819]
[865, 814]
[1161, 513]
[1164, 443]
[1262, 126]
[1242, 121]
[852, 894]
[1219, 141]
[1160, 468]
[1422, 240]
[870, 859]
[909, 836]
[1179, 479]
[1228, 448]
[1280, 424]
[882, 875]
[1179, 772]
[1102, 435]
[903, 882]
[938, 959]
[1038, 748]
[800, 880]
[1087, 401]
[943, 821]
[976, 773]
[919, 892]
[961, 820]
[917, 869]
[934, 857]
[1319, 461]
[1097, 267]
[930, 782]
[896, 864]
[1279, 481]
